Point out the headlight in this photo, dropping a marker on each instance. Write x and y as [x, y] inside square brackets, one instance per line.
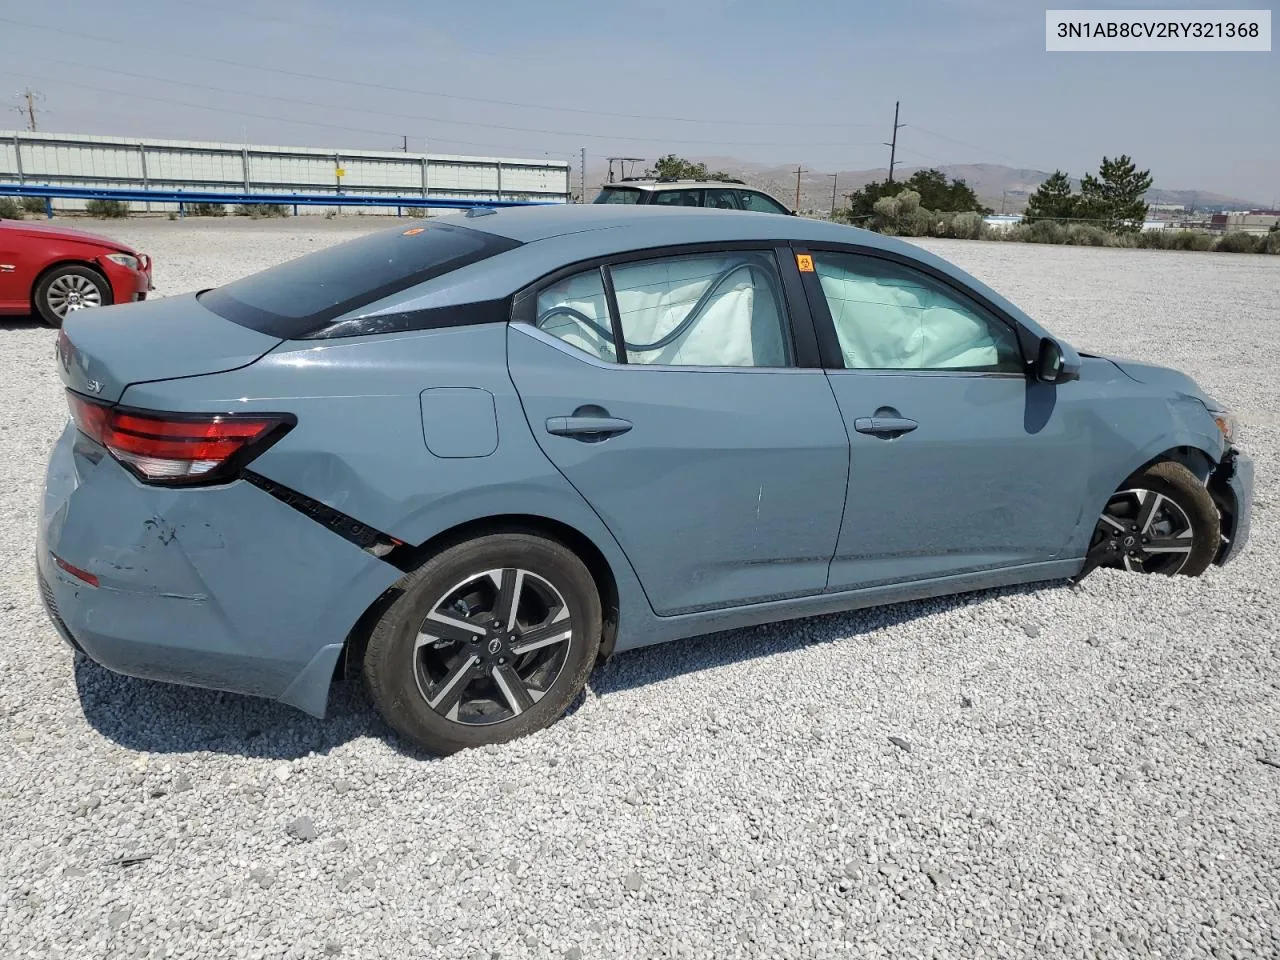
[124, 259]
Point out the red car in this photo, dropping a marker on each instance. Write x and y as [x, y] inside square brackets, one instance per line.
[52, 270]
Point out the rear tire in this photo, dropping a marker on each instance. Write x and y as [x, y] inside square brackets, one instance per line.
[1164, 521]
[69, 288]
[491, 640]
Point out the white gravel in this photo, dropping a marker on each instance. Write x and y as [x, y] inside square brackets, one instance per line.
[1087, 772]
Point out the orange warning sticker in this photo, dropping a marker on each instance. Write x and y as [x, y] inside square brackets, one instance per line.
[414, 231]
[804, 262]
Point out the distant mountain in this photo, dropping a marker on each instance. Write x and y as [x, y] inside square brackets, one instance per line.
[998, 186]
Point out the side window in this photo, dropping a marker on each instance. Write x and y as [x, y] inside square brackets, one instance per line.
[760, 203]
[721, 199]
[891, 317]
[678, 198]
[717, 310]
[576, 311]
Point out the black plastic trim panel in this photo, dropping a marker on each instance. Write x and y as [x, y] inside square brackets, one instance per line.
[350, 529]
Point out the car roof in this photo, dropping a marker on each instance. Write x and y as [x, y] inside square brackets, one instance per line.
[637, 226]
[663, 183]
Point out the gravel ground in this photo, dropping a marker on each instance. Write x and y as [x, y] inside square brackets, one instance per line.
[1019, 773]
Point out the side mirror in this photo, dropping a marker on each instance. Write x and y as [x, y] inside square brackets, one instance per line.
[1053, 364]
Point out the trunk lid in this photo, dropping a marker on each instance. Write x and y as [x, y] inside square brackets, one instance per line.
[101, 352]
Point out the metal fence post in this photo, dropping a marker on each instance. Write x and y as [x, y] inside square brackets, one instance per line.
[499, 165]
[142, 159]
[17, 156]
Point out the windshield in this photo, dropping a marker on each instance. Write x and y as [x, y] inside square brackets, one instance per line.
[299, 297]
[618, 195]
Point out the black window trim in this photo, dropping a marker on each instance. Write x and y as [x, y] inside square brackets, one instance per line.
[798, 318]
[829, 342]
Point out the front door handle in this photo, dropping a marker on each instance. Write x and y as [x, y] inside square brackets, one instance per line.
[884, 426]
[587, 428]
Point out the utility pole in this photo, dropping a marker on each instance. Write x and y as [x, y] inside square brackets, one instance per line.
[582, 176]
[404, 137]
[1003, 194]
[834, 177]
[29, 111]
[893, 144]
[799, 170]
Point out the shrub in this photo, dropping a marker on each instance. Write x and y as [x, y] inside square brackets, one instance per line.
[260, 210]
[908, 202]
[1088, 235]
[107, 209]
[33, 204]
[10, 209]
[1045, 231]
[916, 222]
[1270, 243]
[207, 209]
[966, 226]
[1236, 243]
[1191, 240]
[419, 213]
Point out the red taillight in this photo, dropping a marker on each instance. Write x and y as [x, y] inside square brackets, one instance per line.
[176, 448]
[75, 571]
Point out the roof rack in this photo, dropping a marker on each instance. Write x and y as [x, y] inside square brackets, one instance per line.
[682, 180]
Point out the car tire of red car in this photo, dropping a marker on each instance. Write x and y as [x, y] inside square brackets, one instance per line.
[68, 288]
[437, 658]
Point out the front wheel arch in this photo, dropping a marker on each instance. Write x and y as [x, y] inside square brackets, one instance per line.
[1193, 458]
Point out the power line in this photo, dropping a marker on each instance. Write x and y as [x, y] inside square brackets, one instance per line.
[425, 119]
[972, 146]
[63, 32]
[265, 116]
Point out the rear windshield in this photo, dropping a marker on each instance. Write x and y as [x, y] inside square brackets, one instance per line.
[618, 195]
[298, 298]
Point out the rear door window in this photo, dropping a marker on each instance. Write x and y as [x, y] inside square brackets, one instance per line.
[678, 198]
[298, 298]
[722, 200]
[618, 195]
[760, 203]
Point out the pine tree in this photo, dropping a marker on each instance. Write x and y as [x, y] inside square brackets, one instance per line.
[1114, 198]
[1052, 200]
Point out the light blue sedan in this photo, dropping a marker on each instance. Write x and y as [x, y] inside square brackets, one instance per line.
[473, 457]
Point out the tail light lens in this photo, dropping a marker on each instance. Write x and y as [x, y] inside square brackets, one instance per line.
[178, 448]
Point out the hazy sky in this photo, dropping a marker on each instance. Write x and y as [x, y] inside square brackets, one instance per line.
[784, 82]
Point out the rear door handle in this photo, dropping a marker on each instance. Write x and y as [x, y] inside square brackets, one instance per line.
[587, 428]
[881, 426]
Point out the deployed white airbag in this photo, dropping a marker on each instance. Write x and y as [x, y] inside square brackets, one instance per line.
[889, 318]
[737, 320]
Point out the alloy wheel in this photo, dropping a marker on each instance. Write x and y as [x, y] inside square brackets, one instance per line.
[71, 292]
[492, 646]
[1148, 530]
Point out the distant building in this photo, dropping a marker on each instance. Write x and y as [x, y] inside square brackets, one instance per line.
[1002, 221]
[1256, 222]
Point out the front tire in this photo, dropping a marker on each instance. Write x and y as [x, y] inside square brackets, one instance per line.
[67, 289]
[1162, 521]
[491, 640]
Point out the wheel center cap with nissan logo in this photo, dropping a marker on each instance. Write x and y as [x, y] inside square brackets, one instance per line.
[495, 645]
